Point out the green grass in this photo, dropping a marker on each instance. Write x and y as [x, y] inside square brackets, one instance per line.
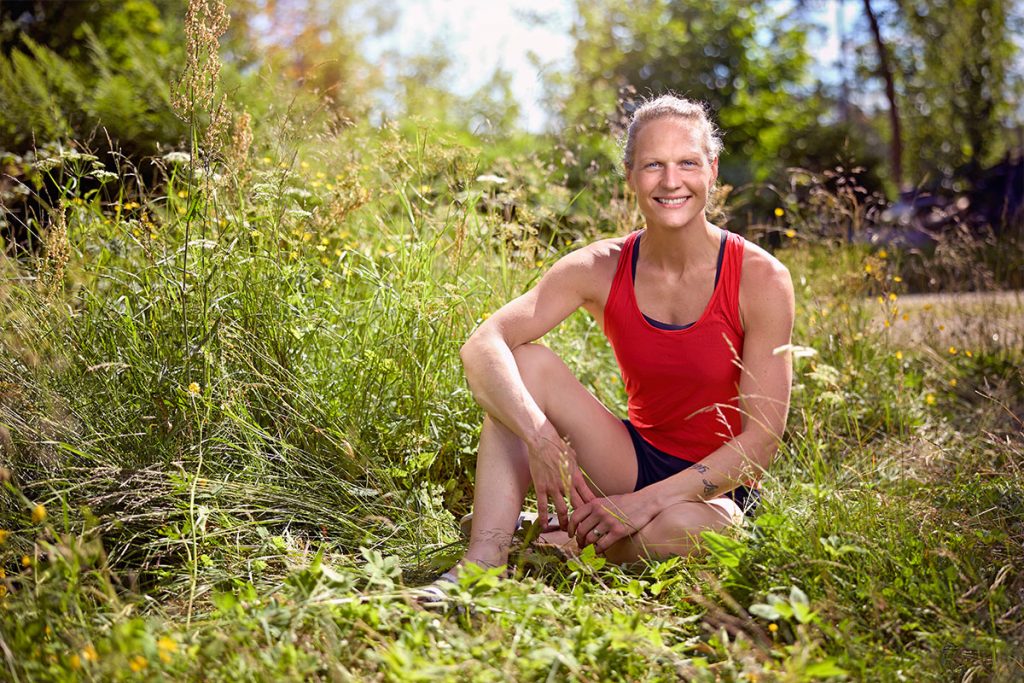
[242, 408]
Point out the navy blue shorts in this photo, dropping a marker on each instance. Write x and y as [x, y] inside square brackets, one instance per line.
[653, 465]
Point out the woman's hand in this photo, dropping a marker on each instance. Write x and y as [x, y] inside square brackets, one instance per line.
[557, 476]
[603, 522]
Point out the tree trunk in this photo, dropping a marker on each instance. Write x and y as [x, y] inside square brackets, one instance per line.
[896, 148]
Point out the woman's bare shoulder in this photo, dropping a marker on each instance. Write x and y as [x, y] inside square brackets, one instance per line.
[766, 289]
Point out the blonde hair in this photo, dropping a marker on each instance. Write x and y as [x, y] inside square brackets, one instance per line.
[670, 105]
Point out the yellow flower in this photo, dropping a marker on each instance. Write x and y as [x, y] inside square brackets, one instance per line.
[952, 350]
[906, 317]
[266, 160]
[952, 382]
[929, 399]
[182, 194]
[3, 537]
[166, 646]
[892, 296]
[868, 268]
[307, 236]
[327, 283]
[338, 252]
[138, 663]
[89, 653]
[193, 388]
[26, 561]
[899, 355]
[791, 233]
[304, 164]
[773, 627]
[886, 323]
[254, 234]
[321, 248]
[941, 328]
[321, 174]
[485, 316]
[779, 212]
[897, 278]
[39, 514]
[75, 662]
[968, 354]
[881, 300]
[882, 253]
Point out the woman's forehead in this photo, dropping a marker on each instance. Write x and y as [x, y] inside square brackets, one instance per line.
[671, 133]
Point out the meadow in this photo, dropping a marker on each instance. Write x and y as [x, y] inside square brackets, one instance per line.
[235, 433]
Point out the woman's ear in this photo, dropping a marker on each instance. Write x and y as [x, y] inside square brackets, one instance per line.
[714, 172]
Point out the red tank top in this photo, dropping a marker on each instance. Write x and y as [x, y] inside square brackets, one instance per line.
[682, 385]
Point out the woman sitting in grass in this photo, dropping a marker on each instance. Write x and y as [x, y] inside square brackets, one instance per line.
[696, 316]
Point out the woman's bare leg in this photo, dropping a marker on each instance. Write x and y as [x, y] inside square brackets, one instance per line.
[676, 531]
[602, 444]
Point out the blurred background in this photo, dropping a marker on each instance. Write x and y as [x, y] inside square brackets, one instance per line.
[912, 108]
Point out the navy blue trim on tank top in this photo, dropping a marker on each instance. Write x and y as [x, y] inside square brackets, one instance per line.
[718, 271]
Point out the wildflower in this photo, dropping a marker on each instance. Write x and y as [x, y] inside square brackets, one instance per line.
[193, 388]
[75, 662]
[266, 160]
[337, 252]
[321, 248]
[177, 158]
[897, 278]
[491, 178]
[166, 646]
[886, 323]
[941, 328]
[968, 354]
[321, 174]
[26, 561]
[182, 194]
[39, 514]
[952, 382]
[881, 300]
[791, 233]
[307, 236]
[304, 164]
[892, 296]
[882, 253]
[929, 399]
[899, 355]
[906, 317]
[138, 663]
[952, 350]
[868, 268]
[485, 316]
[89, 653]
[327, 283]
[779, 212]
[254, 233]
[773, 627]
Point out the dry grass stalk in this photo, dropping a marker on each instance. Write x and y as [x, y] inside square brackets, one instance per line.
[205, 22]
[58, 253]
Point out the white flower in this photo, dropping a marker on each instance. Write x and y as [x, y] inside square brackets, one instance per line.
[491, 178]
[797, 351]
[177, 157]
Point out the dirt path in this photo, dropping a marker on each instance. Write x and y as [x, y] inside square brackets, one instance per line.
[964, 320]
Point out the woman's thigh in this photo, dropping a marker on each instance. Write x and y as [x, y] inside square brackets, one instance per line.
[602, 444]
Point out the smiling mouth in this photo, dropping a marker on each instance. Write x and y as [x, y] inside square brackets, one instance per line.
[671, 201]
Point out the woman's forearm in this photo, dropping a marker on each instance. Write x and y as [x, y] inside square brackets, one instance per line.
[734, 463]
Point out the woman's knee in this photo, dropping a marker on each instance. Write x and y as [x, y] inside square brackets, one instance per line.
[535, 362]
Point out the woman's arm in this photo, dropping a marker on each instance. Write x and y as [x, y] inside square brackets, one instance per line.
[497, 386]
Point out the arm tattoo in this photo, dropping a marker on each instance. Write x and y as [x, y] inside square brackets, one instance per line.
[709, 488]
[700, 468]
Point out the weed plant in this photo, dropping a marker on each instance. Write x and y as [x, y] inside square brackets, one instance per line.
[234, 432]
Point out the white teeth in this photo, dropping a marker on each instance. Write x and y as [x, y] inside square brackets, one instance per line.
[672, 202]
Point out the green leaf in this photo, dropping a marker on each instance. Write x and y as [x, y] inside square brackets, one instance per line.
[824, 669]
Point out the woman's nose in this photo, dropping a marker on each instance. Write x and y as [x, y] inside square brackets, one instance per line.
[672, 176]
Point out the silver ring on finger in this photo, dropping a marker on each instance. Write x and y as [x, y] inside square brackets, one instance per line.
[598, 533]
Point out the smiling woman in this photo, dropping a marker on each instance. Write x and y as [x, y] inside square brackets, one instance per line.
[693, 314]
